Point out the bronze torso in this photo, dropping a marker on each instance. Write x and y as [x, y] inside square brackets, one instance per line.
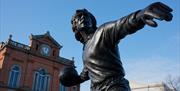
[101, 55]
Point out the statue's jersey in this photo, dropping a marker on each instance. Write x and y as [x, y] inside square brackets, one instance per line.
[101, 55]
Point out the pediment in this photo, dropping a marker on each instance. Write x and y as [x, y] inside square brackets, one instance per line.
[45, 38]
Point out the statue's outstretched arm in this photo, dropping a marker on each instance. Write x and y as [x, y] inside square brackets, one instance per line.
[118, 29]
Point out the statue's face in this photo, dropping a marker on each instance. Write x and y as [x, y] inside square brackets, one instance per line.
[83, 24]
[82, 21]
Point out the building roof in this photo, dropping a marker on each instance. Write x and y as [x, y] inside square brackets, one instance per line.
[66, 61]
[47, 34]
[27, 49]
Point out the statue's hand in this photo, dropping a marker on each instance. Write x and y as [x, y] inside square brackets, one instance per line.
[156, 10]
[69, 77]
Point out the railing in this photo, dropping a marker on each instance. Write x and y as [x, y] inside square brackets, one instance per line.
[19, 45]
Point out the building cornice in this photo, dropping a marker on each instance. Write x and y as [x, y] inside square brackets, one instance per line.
[26, 49]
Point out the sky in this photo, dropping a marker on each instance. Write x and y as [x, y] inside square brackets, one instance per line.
[148, 56]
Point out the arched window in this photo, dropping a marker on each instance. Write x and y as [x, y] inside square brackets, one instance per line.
[41, 80]
[62, 87]
[14, 76]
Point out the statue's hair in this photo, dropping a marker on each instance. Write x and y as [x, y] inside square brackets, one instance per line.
[83, 11]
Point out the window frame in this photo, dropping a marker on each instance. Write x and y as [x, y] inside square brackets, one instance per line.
[41, 81]
[14, 76]
[62, 87]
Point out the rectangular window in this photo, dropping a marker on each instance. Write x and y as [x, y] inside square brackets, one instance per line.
[62, 88]
[41, 81]
[14, 77]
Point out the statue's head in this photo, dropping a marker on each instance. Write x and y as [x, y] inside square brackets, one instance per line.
[83, 21]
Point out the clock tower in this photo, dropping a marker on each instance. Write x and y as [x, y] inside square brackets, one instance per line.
[44, 45]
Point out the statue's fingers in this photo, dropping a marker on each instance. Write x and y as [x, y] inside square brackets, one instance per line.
[161, 5]
[151, 23]
[160, 8]
[161, 14]
[168, 17]
[167, 8]
[156, 13]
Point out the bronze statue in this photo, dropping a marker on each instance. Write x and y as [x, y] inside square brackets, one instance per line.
[102, 64]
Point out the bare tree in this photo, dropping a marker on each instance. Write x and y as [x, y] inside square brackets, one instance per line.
[172, 83]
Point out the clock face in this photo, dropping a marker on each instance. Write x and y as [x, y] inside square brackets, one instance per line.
[45, 50]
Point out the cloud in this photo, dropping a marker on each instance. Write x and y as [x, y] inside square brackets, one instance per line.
[151, 70]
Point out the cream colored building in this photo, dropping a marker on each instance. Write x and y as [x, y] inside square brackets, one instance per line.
[149, 87]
